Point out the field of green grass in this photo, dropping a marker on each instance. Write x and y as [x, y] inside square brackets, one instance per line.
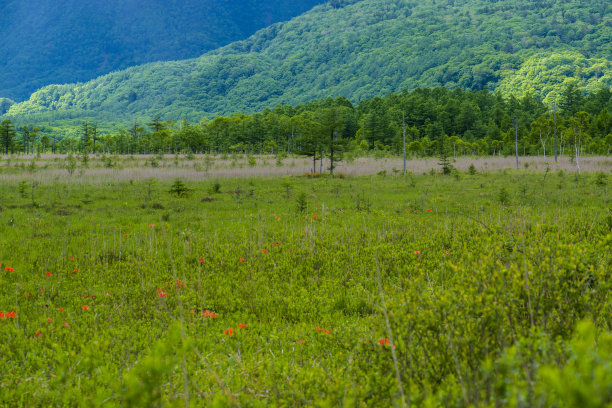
[485, 289]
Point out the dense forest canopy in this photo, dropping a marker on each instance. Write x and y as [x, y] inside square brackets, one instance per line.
[358, 50]
[434, 121]
[58, 41]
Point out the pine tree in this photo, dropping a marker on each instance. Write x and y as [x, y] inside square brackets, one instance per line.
[8, 134]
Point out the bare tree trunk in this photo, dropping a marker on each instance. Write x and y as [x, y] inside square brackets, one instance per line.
[516, 142]
[404, 139]
[555, 120]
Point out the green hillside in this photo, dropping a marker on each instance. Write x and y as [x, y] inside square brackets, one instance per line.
[52, 42]
[359, 49]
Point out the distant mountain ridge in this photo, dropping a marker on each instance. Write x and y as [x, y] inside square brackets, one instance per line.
[57, 41]
[359, 49]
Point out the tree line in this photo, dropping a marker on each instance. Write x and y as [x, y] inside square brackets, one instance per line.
[432, 121]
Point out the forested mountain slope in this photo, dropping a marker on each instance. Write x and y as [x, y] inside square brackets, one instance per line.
[57, 41]
[359, 49]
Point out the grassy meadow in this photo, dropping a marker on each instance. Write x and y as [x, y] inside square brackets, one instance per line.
[482, 288]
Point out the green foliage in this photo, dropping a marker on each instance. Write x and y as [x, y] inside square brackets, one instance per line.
[92, 37]
[367, 48]
[179, 189]
[586, 378]
[301, 202]
[120, 304]
[503, 196]
[70, 163]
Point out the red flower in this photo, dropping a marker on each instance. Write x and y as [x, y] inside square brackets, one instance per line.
[314, 216]
[201, 260]
[241, 259]
[49, 319]
[300, 342]
[38, 333]
[48, 274]
[277, 218]
[66, 324]
[151, 225]
[417, 252]
[229, 332]
[75, 270]
[60, 309]
[242, 326]
[85, 307]
[162, 294]
[9, 269]
[447, 252]
[428, 210]
[72, 258]
[2, 315]
[265, 251]
[383, 342]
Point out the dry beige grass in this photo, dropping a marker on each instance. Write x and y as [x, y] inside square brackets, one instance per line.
[49, 167]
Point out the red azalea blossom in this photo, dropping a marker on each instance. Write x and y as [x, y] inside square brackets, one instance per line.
[229, 332]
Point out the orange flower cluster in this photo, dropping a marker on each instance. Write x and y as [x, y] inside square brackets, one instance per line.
[180, 284]
[85, 307]
[48, 274]
[9, 269]
[209, 315]
[319, 329]
[8, 315]
[383, 342]
[161, 293]
[229, 332]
